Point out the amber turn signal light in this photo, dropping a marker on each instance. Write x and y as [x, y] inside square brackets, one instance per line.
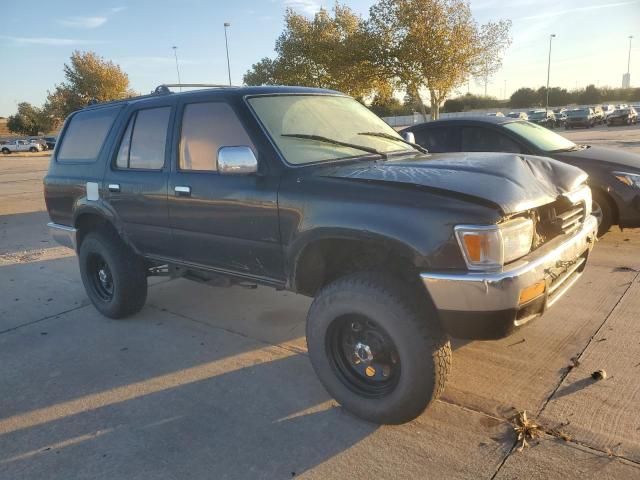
[531, 292]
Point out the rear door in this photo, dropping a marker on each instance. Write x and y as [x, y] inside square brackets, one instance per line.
[440, 139]
[224, 222]
[482, 139]
[137, 177]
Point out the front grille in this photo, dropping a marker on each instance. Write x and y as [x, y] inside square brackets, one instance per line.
[559, 218]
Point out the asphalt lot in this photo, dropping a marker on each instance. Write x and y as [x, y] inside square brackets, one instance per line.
[215, 383]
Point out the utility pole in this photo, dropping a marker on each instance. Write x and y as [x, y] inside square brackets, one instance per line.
[226, 42]
[175, 54]
[546, 105]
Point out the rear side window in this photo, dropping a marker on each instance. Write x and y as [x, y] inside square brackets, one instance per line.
[205, 128]
[438, 140]
[478, 139]
[85, 135]
[144, 142]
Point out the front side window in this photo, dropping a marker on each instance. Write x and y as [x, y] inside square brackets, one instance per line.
[437, 139]
[85, 134]
[144, 142]
[205, 128]
[477, 139]
[317, 128]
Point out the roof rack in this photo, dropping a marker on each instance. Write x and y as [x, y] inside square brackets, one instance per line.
[164, 88]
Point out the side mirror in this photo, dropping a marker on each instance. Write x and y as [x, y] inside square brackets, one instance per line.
[409, 137]
[237, 161]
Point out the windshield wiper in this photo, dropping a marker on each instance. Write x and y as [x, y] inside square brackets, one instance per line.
[569, 149]
[398, 139]
[320, 138]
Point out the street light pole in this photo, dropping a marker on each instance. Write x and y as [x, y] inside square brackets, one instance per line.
[226, 42]
[629, 59]
[551, 37]
[175, 54]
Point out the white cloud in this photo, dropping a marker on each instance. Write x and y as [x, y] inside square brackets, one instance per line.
[83, 22]
[308, 7]
[48, 41]
[117, 9]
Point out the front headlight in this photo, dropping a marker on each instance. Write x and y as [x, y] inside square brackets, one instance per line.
[629, 179]
[490, 247]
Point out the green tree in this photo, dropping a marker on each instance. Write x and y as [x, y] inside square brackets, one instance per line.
[328, 51]
[88, 77]
[434, 44]
[524, 97]
[30, 120]
[591, 94]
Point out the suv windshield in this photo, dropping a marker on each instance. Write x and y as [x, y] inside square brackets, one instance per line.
[540, 137]
[317, 128]
[577, 113]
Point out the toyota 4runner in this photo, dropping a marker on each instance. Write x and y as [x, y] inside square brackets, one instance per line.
[307, 190]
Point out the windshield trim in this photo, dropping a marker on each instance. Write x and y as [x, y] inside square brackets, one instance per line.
[246, 98]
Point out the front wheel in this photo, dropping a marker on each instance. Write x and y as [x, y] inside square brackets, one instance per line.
[377, 347]
[33, 149]
[114, 277]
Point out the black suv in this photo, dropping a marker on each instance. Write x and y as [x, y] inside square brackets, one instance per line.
[307, 190]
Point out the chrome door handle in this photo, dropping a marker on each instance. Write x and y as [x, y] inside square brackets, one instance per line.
[182, 191]
[114, 187]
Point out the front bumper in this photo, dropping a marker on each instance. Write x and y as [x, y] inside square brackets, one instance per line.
[64, 235]
[486, 305]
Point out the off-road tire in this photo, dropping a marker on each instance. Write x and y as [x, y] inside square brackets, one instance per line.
[6, 151]
[607, 212]
[411, 322]
[127, 270]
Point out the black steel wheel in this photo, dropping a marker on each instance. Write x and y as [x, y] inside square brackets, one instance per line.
[363, 355]
[100, 276]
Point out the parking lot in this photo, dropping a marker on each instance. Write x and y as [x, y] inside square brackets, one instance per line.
[215, 383]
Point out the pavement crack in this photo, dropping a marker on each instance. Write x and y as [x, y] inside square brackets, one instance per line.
[33, 322]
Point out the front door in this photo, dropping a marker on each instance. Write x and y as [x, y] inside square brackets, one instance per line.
[136, 179]
[224, 222]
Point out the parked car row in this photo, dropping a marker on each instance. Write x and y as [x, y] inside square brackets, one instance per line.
[32, 145]
[586, 117]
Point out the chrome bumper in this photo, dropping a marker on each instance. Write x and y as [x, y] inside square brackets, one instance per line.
[559, 263]
[64, 235]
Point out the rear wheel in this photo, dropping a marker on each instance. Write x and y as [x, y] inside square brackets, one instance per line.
[602, 210]
[114, 277]
[376, 346]
[6, 151]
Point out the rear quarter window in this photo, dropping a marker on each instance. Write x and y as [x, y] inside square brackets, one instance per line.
[85, 135]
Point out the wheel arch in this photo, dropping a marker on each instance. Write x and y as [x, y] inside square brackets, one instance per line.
[325, 256]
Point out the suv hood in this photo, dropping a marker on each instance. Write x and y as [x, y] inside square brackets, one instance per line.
[512, 182]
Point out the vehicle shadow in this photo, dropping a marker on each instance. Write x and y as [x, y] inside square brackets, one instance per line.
[270, 420]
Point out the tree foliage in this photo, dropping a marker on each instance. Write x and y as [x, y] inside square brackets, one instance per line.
[435, 44]
[29, 120]
[327, 51]
[469, 101]
[88, 77]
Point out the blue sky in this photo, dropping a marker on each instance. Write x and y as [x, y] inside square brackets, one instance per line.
[591, 44]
